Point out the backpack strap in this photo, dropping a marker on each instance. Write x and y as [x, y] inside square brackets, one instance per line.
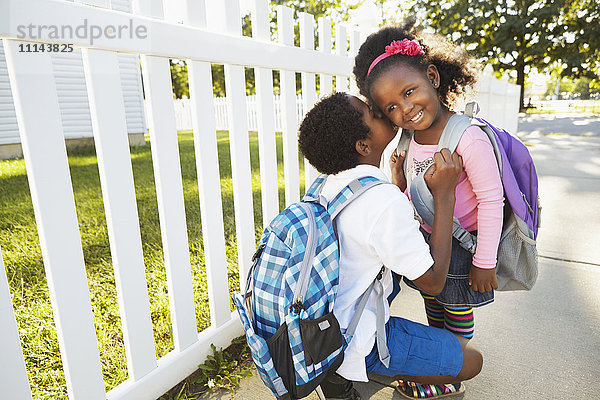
[420, 194]
[382, 349]
[471, 109]
[451, 135]
[453, 131]
[404, 144]
[313, 194]
[351, 192]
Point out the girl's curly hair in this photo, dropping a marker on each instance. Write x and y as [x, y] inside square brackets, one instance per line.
[458, 70]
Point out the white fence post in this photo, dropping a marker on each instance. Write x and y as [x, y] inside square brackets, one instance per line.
[116, 178]
[325, 81]
[341, 49]
[309, 91]
[235, 86]
[38, 116]
[209, 181]
[169, 190]
[265, 107]
[355, 42]
[511, 108]
[498, 100]
[287, 82]
[13, 375]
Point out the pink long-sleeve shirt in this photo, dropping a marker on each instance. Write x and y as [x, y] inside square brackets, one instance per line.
[479, 193]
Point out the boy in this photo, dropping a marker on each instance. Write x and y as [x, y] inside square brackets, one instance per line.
[342, 137]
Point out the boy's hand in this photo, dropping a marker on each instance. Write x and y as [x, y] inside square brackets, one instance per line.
[483, 279]
[396, 162]
[442, 176]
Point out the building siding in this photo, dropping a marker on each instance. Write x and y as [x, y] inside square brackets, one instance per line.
[72, 93]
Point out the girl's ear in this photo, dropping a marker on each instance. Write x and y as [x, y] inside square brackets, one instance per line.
[362, 147]
[433, 75]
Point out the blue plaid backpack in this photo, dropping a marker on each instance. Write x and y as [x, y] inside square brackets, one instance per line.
[287, 307]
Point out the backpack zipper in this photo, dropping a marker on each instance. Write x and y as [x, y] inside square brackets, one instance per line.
[526, 202]
[309, 255]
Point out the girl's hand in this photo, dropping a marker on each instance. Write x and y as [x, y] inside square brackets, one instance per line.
[396, 162]
[442, 177]
[483, 279]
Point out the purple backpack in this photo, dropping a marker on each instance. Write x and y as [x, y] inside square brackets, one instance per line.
[516, 267]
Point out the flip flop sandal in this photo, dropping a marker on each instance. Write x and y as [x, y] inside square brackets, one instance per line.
[413, 390]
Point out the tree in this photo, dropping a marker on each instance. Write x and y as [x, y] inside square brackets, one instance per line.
[580, 51]
[578, 88]
[337, 10]
[179, 79]
[516, 35]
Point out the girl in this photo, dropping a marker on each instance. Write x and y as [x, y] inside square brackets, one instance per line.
[414, 80]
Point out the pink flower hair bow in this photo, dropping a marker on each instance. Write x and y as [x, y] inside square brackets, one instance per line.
[404, 46]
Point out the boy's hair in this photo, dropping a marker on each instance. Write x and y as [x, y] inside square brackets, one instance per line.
[458, 70]
[329, 132]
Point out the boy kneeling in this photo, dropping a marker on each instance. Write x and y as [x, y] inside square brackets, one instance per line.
[342, 137]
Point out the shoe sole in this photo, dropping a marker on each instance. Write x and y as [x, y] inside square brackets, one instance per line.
[460, 392]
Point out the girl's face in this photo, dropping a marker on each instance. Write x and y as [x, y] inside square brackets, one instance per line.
[408, 97]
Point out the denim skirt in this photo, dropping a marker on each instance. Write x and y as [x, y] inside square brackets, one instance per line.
[457, 292]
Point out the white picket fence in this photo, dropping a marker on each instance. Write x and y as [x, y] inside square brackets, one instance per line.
[200, 40]
[183, 112]
[498, 99]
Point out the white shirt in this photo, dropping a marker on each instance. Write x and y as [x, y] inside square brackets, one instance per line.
[378, 228]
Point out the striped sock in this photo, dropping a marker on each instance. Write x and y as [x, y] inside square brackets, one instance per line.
[434, 311]
[459, 320]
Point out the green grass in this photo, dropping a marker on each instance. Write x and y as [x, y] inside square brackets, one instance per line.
[24, 266]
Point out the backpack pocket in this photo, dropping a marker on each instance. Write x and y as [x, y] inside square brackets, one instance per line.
[517, 267]
[259, 348]
[321, 338]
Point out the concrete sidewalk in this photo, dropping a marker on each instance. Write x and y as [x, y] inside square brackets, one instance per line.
[545, 343]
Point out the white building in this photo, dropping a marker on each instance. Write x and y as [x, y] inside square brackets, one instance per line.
[73, 98]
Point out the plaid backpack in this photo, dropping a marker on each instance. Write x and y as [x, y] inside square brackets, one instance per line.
[517, 265]
[287, 307]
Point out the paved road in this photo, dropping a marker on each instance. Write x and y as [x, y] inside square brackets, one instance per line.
[569, 172]
[545, 343]
[571, 124]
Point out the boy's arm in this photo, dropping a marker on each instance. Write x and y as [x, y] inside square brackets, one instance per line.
[441, 179]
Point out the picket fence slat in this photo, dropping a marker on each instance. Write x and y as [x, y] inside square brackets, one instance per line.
[341, 49]
[355, 41]
[13, 375]
[265, 104]
[209, 190]
[116, 178]
[287, 83]
[235, 87]
[325, 80]
[169, 188]
[38, 116]
[309, 89]
[169, 191]
[209, 181]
